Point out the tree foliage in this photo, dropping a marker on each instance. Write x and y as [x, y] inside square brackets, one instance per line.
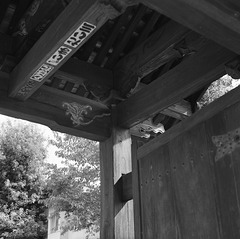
[75, 187]
[217, 89]
[22, 154]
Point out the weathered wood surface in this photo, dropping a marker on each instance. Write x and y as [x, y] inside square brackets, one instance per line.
[158, 212]
[212, 19]
[200, 191]
[154, 52]
[76, 13]
[107, 190]
[127, 188]
[179, 110]
[130, 28]
[226, 171]
[57, 98]
[206, 113]
[81, 72]
[193, 186]
[117, 220]
[49, 115]
[136, 191]
[189, 76]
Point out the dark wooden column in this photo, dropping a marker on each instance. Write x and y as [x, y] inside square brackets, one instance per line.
[117, 220]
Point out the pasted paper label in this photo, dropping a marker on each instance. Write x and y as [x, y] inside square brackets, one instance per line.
[41, 73]
[80, 34]
[59, 55]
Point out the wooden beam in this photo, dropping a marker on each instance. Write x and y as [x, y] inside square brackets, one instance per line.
[71, 29]
[79, 72]
[200, 116]
[49, 115]
[57, 98]
[154, 52]
[116, 216]
[213, 19]
[179, 110]
[6, 44]
[192, 74]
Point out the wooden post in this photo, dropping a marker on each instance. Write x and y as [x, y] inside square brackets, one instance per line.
[116, 217]
[136, 191]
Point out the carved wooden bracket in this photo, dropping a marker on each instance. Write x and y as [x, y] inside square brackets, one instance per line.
[145, 129]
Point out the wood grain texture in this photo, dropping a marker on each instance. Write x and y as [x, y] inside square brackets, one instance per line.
[226, 172]
[148, 56]
[122, 164]
[158, 212]
[202, 193]
[107, 190]
[75, 13]
[55, 97]
[49, 115]
[193, 186]
[205, 17]
[189, 76]
[130, 28]
[79, 72]
[117, 220]
[136, 191]
[206, 113]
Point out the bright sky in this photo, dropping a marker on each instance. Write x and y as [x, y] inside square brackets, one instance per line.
[51, 158]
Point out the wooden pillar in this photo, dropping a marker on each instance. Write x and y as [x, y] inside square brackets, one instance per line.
[136, 191]
[117, 220]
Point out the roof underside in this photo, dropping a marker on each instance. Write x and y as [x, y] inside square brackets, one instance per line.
[73, 65]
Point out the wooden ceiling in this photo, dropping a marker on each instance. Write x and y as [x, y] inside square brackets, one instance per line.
[81, 66]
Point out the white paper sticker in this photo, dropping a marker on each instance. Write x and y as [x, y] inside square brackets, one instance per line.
[41, 73]
[59, 55]
[80, 34]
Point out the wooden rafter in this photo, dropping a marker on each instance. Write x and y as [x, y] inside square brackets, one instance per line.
[154, 52]
[73, 26]
[79, 72]
[212, 19]
[193, 73]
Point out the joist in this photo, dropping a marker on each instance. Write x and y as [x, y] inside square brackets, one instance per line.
[72, 28]
[213, 19]
[154, 52]
[189, 76]
[79, 72]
